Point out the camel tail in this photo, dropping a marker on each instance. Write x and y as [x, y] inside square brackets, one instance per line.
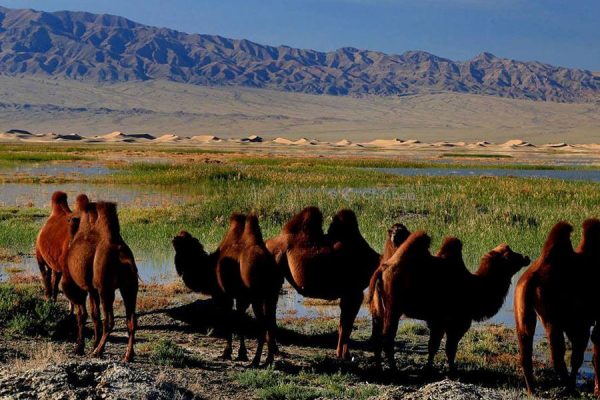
[376, 284]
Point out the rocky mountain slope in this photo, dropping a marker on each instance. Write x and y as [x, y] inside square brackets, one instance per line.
[86, 46]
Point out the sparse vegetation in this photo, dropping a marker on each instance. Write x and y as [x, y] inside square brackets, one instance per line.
[168, 353]
[24, 312]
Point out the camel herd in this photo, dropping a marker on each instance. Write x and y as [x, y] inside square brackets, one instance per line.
[84, 251]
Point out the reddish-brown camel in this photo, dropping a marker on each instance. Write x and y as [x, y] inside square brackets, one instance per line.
[560, 287]
[241, 269]
[439, 290]
[52, 244]
[100, 262]
[336, 265]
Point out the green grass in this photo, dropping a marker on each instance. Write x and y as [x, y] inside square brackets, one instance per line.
[167, 353]
[270, 384]
[24, 312]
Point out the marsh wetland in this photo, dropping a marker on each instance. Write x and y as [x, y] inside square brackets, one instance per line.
[162, 191]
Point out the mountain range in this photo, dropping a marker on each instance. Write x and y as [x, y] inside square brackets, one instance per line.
[105, 48]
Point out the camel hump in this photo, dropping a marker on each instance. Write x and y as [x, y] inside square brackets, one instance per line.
[82, 202]
[558, 244]
[252, 233]
[308, 221]
[108, 218]
[451, 248]
[344, 224]
[59, 202]
[415, 246]
[590, 240]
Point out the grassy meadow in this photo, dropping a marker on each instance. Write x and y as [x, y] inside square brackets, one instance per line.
[482, 211]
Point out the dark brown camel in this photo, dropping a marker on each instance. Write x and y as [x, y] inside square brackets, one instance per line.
[100, 262]
[52, 244]
[336, 265]
[561, 288]
[439, 290]
[241, 269]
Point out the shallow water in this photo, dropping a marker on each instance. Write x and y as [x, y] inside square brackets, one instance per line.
[38, 195]
[568, 175]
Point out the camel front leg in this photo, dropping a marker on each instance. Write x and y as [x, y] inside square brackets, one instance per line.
[579, 340]
[596, 358]
[454, 333]
[56, 276]
[349, 305]
[557, 351]
[95, 310]
[436, 333]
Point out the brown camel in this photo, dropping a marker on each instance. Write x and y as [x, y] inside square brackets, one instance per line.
[99, 262]
[439, 290]
[241, 269]
[336, 265]
[560, 287]
[52, 244]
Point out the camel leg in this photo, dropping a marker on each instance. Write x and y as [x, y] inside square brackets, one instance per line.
[77, 298]
[436, 333]
[579, 341]
[390, 326]
[54, 283]
[259, 312]
[454, 333]
[46, 274]
[596, 358]
[557, 351]
[95, 310]
[129, 295]
[226, 304]
[349, 305]
[240, 311]
[107, 299]
[377, 338]
[526, 322]
[271, 321]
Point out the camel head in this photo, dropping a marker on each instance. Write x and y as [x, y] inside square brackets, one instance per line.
[187, 249]
[84, 217]
[397, 234]
[504, 262]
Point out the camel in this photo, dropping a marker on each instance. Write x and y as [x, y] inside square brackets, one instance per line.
[336, 265]
[52, 244]
[396, 235]
[98, 263]
[440, 290]
[241, 269]
[560, 289]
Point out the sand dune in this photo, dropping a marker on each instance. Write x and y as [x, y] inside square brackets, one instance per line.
[386, 144]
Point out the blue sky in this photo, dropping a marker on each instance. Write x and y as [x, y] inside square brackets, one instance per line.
[560, 32]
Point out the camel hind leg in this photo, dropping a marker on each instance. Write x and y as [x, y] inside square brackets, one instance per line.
[525, 321]
[46, 274]
[349, 305]
[129, 294]
[436, 333]
[454, 333]
[55, 281]
[271, 321]
[77, 297]
[95, 310]
[107, 298]
[259, 313]
[556, 338]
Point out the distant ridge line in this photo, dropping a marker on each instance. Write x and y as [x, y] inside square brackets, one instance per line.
[107, 48]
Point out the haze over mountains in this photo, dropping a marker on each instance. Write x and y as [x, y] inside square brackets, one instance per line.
[105, 48]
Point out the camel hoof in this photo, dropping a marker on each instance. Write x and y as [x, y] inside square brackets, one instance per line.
[128, 358]
[242, 357]
[226, 356]
[79, 350]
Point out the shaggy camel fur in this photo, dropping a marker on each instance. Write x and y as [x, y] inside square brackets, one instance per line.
[99, 262]
[336, 265]
[439, 290]
[52, 244]
[241, 269]
[560, 287]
